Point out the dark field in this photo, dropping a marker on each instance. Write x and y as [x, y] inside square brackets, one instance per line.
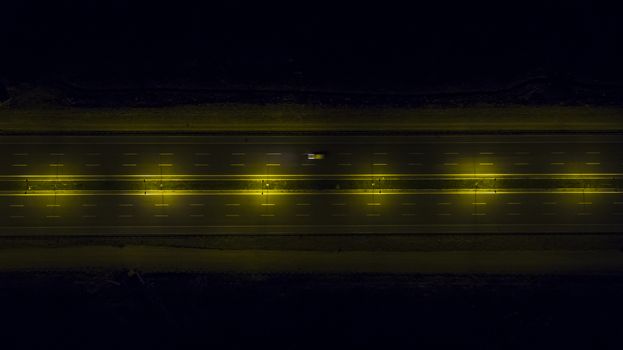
[119, 310]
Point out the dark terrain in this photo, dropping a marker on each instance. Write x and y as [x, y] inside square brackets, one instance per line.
[122, 310]
[114, 53]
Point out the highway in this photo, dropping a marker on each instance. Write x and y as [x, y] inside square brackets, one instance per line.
[337, 211]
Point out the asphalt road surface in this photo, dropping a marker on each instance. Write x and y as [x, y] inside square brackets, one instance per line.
[415, 211]
[287, 155]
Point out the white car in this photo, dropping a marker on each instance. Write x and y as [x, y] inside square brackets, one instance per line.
[315, 156]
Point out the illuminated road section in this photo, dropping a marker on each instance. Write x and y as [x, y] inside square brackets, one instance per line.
[373, 209]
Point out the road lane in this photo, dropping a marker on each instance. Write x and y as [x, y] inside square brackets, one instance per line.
[287, 155]
[422, 212]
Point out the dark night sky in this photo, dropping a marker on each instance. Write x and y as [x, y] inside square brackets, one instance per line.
[385, 45]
